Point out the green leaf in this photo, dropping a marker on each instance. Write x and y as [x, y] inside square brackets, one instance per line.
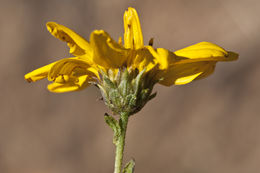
[129, 167]
[112, 122]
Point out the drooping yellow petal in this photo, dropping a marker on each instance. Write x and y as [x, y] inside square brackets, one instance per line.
[78, 45]
[209, 69]
[76, 85]
[193, 63]
[61, 88]
[186, 79]
[39, 73]
[180, 74]
[107, 52]
[133, 36]
[68, 69]
[70, 74]
[205, 51]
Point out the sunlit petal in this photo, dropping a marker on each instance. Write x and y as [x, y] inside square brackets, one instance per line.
[163, 57]
[39, 73]
[180, 74]
[107, 52]
[205, 51]
[133, 36]
[78, 45]
[81, 83]
[142, 58]
[68, 67]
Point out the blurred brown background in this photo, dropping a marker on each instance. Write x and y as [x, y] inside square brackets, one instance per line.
[208, 126]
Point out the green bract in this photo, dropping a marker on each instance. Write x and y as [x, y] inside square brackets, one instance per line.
[127, 91]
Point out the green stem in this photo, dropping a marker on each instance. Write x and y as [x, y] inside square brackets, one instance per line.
[121, 142]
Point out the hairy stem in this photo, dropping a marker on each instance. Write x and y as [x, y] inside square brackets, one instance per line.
[121, 142]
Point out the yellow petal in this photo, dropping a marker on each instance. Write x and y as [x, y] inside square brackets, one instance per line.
[39, 73]
[186, 79]
[120, 41]
[194, 62]
[79, 84]
[107, 52]
[163, 57]
[205, 51]
[209, 69]
[180, 74]
[141, 59]
[70, 67]
[133, 36]
[78, 45]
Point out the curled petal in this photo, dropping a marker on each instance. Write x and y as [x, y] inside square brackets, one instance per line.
[76, 85]
[107, 52]
[78, 45]
[39, 73]
[180, 74]
[133, 36]
[68, 69]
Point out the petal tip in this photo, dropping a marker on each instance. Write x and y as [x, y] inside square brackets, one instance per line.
[131, 9]
[29, 80]
[50, 26]
[98, 32]
[232, 56]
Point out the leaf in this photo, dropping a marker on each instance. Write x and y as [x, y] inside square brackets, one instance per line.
[129, 167]
[112, 122]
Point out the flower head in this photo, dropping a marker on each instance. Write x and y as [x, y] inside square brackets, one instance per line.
[125, 73]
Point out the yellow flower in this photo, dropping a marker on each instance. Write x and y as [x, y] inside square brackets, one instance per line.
[104, 56]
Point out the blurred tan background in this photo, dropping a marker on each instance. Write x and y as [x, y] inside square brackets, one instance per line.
[208, 126]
